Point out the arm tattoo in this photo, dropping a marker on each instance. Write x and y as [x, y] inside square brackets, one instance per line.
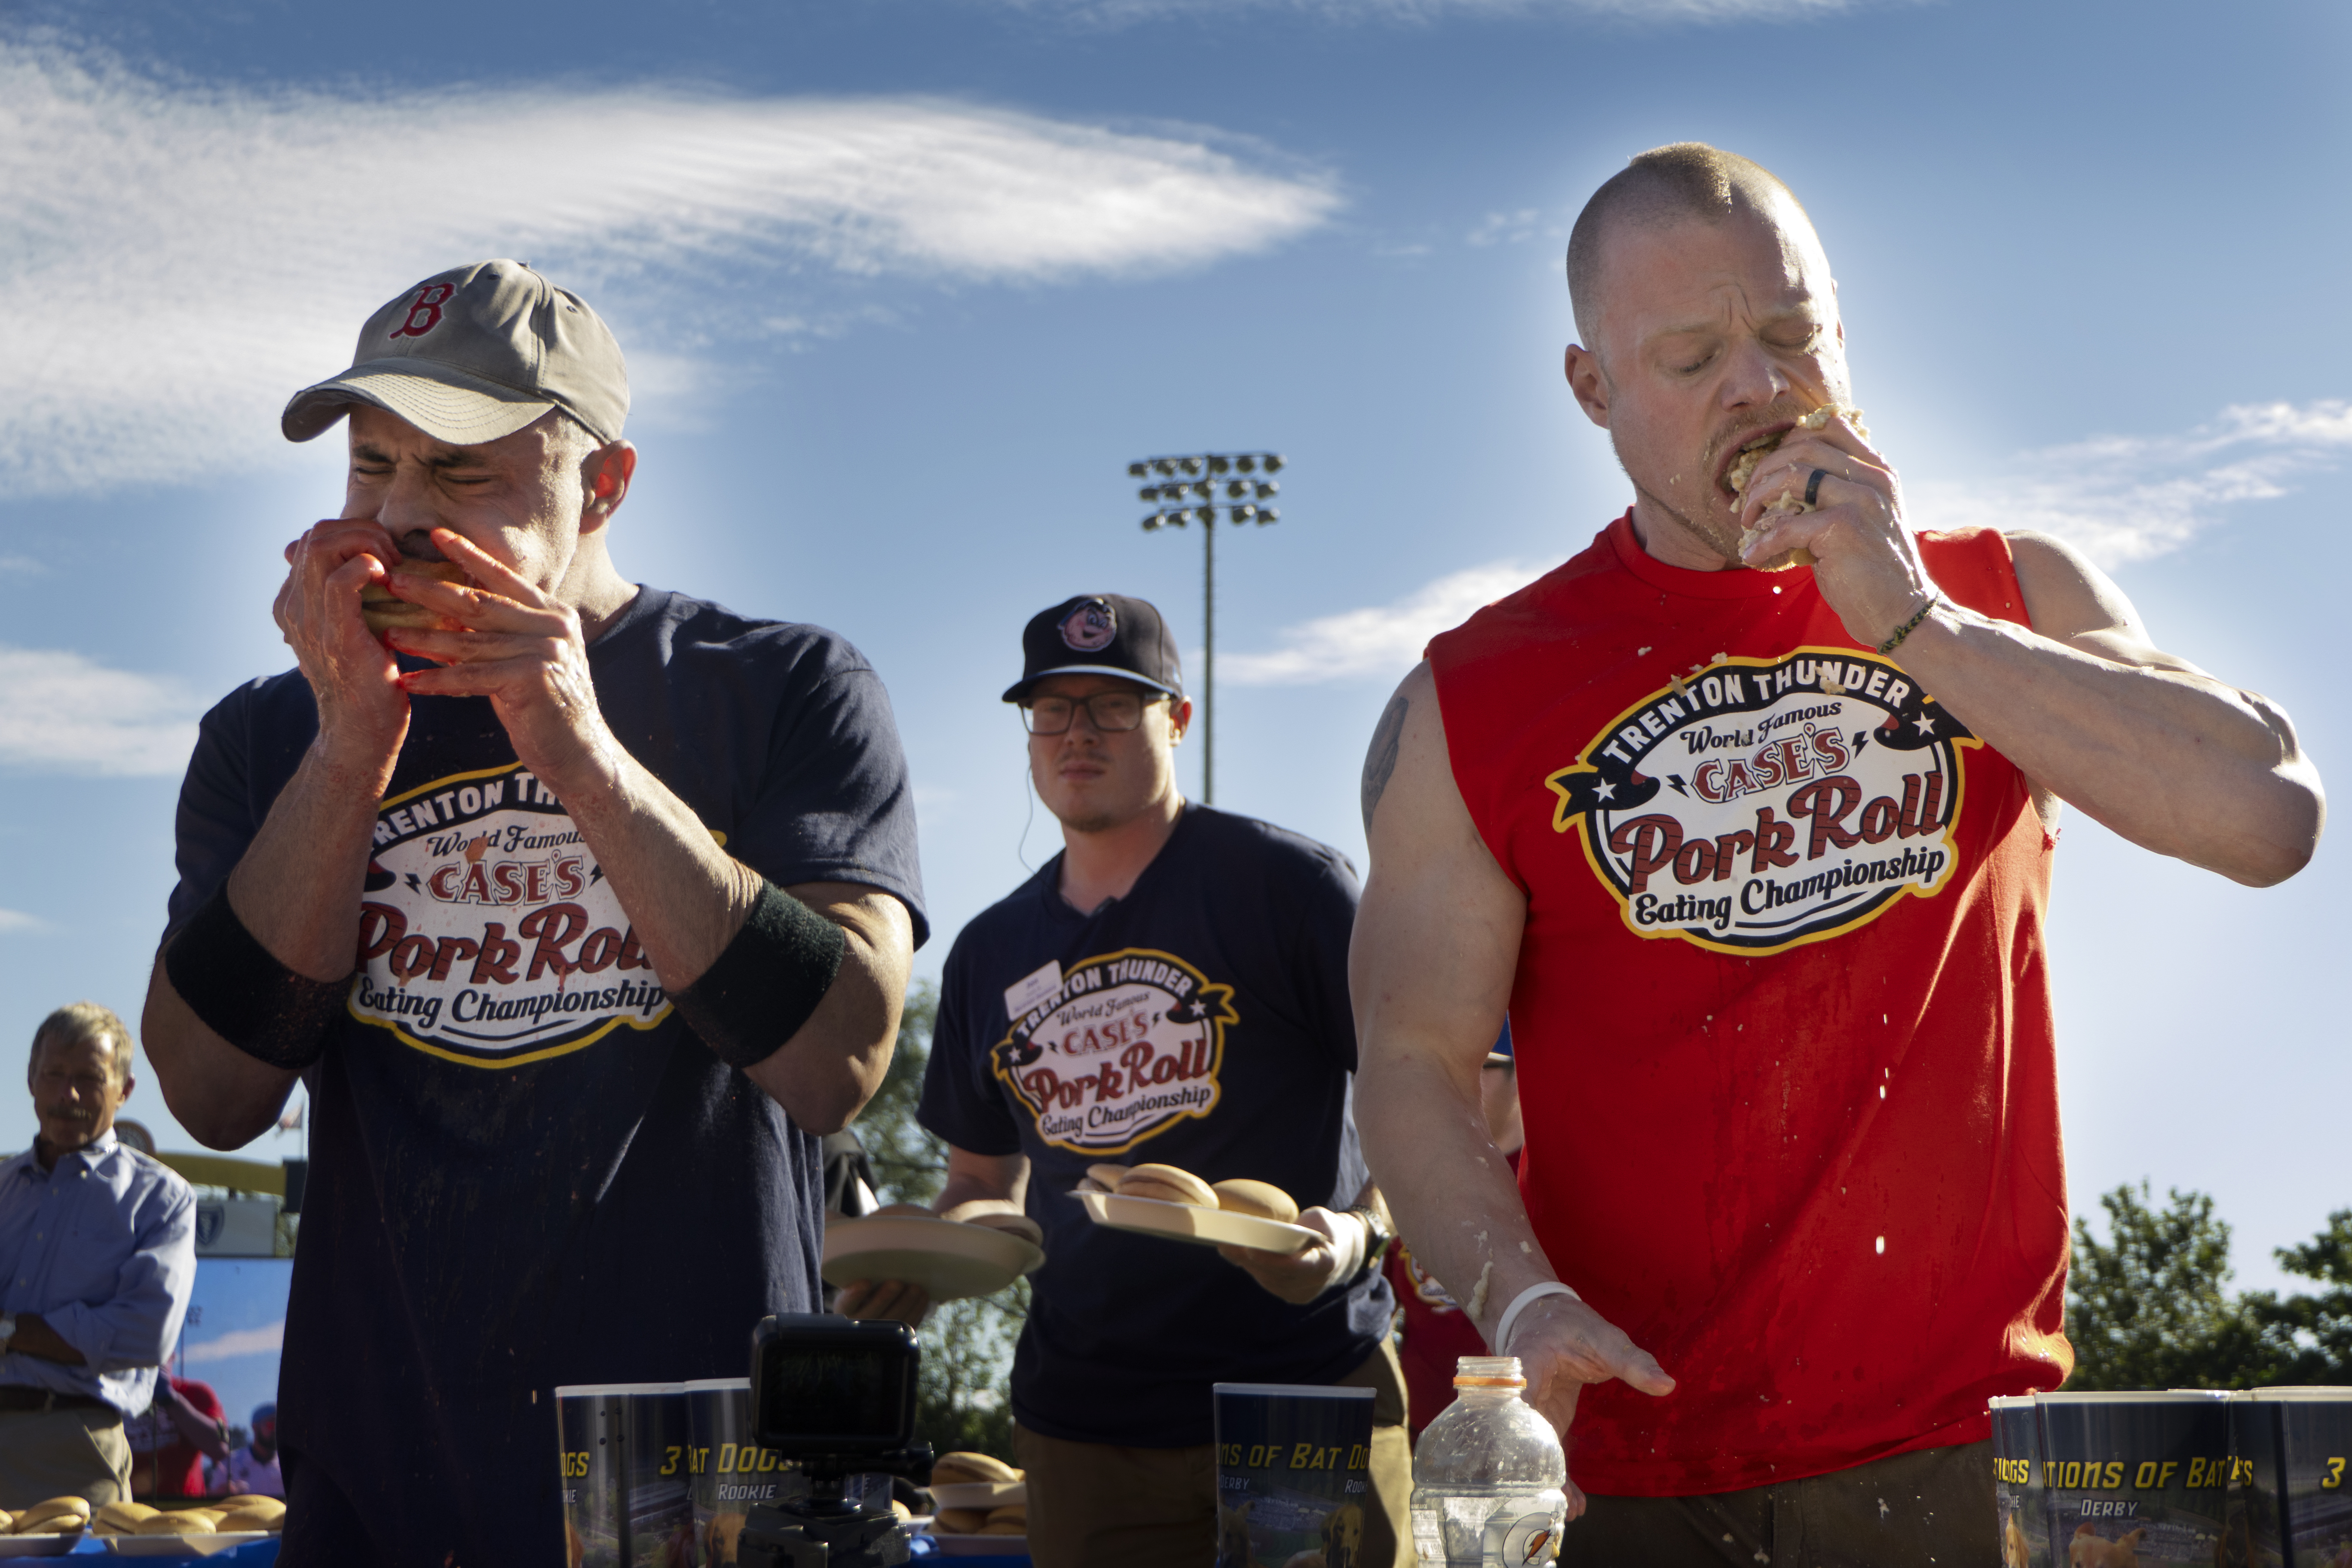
[1382, 759]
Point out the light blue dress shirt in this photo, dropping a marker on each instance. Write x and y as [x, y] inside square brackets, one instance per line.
[104, 1248]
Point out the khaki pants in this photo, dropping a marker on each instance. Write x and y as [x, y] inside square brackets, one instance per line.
[79, 1451]
[1933, 1506]
[1095, 1504]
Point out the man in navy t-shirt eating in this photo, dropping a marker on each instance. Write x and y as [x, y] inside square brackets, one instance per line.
[1171, 989]
[580, 908]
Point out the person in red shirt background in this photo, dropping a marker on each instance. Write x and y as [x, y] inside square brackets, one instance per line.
[1436, 1334]
[184, 1426]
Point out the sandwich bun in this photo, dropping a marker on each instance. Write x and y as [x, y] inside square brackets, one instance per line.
[1011, 1514]
[1003, 1527]
[1169, 1185]
[382, 610]
[1263, 1200]
[250, 1518]
[963, 1465]
[1109, 1176]
[245, 1499]
[901, 1210]
[997, 1214]
[189, 1521]
[58, 1513]
[958, 1521]
[1742, 471]
[117, 1517]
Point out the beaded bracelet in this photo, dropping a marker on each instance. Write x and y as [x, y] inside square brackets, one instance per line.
[1907, 627]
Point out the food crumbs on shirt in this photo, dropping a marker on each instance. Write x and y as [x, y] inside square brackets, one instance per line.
[1641, 653]
[1882, 1246]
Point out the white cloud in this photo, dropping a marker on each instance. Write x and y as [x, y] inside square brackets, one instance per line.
[2121, 499]
[199, 252]
[1383, 641]
[18, 920]
[1505, 228]
[61, 712]
[268, 1339]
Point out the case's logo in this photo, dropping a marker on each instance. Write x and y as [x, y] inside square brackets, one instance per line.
[487, 932]
[1127, 1045]
[1760, 804]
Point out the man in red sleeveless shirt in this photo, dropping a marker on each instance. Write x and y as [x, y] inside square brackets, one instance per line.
[1744, 817]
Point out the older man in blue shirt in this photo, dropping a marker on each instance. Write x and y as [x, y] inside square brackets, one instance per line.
[97, 1255]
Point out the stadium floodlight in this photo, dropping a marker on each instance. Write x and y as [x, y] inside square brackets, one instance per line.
[1201, 475]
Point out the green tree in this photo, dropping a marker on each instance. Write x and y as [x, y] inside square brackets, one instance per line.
[967, 1345]
[2309, 1338]
[2151, 1308]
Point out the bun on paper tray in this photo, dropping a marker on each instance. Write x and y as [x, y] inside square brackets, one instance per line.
[1167, 1184]
[1262, 1200]
[962, 1467]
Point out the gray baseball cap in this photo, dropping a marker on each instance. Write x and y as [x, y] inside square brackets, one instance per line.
[474, 353]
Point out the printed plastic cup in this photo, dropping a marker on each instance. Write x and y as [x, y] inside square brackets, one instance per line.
[624, 1475]
[2021, 1505]
[2299, 1503]
[2140, 1478]
[732, 1475]
[1294, 1473]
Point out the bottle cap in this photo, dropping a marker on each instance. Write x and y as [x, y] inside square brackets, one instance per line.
[1488, 1371]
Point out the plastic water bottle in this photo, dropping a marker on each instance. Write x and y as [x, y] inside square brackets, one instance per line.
[1489, 1479]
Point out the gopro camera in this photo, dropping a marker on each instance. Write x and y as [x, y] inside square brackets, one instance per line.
[837, 1396]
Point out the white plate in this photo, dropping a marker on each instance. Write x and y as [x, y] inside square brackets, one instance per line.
[183, 1546]
[983, 1545]
[39, 1545]
[980, 1494]
[1203, 1227]
[950, 1260]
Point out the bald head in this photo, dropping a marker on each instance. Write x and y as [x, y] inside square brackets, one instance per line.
[1680, 183]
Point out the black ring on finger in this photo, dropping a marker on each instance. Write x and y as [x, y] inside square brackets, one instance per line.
[1813, 487]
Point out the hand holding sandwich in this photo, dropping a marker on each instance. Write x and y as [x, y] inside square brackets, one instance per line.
[1863, 555]
[362, 709]
[516, 644]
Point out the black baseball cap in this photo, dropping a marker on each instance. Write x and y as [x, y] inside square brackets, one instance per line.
[1098, 634]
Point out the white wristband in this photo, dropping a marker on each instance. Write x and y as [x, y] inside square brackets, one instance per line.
[1519, 1303]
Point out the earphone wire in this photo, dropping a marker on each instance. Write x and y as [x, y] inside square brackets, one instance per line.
[1028, 817]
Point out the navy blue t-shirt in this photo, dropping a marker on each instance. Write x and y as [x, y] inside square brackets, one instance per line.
[526, 1171]
[1202, 1022]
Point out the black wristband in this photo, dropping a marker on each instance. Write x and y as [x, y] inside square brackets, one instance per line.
[757, 994]
[244, 994]
[1377, 1238]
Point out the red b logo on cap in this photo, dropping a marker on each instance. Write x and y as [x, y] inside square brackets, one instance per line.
[424, 310]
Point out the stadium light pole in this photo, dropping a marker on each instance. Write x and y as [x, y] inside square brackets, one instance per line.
[1188, 489]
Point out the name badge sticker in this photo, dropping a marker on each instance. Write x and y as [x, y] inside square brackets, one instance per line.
[1033, 988]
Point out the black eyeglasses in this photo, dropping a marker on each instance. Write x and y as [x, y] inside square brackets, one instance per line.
[1112, 713]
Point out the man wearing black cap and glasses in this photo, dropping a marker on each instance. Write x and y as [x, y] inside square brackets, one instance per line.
[1171, 989]
[579, 907]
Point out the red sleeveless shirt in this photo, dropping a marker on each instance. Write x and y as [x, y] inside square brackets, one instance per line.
[1783, 1011]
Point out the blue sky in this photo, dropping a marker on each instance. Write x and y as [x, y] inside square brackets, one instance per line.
[905, 284]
